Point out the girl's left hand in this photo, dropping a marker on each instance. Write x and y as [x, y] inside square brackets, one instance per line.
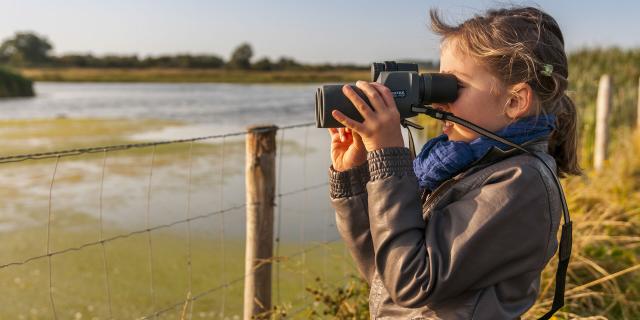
[381, 125]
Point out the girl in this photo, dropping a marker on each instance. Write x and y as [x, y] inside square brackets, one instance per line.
[464, 230]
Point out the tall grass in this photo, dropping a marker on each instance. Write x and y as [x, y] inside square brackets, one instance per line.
[585, 69]
[605, 207]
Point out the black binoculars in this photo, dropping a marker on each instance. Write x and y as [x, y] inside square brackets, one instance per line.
[409, 88]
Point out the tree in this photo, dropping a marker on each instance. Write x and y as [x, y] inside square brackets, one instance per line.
[263, 64]
[285, 63]
[241, 56]
[25, 48]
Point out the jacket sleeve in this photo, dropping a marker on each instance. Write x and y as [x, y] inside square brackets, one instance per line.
[496, 231]
[349, 199]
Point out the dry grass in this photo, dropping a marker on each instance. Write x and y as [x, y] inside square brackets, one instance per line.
[603, 274]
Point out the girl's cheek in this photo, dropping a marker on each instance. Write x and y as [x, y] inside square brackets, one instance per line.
[458, 107]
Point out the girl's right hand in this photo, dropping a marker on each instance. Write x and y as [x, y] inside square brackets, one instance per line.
[347, 149]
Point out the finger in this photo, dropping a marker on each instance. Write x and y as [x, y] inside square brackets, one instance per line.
[333, 132]
[348, 132]
[372, 93]
[348, 122]
[348, 137]
[358, 141]
[362, 107]
[341, 132]
[386, 94]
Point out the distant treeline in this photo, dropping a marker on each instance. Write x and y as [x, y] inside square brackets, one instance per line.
[28, 49]
[185, 61]
[14, 85]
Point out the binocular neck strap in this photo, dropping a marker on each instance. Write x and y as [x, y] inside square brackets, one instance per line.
[406, 124]
[564, 250]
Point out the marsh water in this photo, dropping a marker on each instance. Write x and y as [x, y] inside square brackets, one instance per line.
[51, 205]
[223, 107]
[131, 200]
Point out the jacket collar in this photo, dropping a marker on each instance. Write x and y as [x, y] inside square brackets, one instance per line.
[496, 154]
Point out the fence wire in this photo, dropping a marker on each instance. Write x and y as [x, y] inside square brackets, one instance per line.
[186, 304]
[117, 237]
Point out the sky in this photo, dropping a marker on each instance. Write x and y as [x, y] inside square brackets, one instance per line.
[318, 31]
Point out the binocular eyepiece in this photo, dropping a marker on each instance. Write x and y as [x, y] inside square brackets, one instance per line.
[409, 89]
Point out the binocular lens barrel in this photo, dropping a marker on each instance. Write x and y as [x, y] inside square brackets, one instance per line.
[409, 89]
[438, 88]
[329, 98]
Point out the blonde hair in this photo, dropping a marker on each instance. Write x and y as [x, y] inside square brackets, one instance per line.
[524, 45]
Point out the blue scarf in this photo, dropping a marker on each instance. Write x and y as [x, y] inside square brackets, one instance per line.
[441, 159]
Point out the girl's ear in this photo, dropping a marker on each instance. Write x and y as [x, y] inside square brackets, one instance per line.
[520, 102]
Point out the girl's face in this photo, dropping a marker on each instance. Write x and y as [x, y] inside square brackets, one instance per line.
[481, 97]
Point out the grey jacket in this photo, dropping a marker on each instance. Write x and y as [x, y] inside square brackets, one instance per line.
[474, 248]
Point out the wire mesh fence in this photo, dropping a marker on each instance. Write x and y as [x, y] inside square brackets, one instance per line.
[156, 229]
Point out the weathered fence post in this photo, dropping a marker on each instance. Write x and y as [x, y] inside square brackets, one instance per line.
[638, 116]
[260, 193]
[602, 117]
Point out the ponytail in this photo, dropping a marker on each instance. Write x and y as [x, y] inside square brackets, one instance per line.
[563, 143]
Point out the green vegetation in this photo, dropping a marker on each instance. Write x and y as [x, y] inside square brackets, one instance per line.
[21, 136]
[28, 49]
[14, 85]
[79, 277]
[25, 48]
[606, 239]
[585, 69]
[31, 54]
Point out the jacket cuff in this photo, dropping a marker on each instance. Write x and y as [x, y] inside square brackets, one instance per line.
[389, 162]
[348, 183]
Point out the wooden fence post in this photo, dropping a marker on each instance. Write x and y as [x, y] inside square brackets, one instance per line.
[602, 117]
[260, 177]
[638, 116]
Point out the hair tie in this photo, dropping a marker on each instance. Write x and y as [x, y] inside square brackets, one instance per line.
[547, 69]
